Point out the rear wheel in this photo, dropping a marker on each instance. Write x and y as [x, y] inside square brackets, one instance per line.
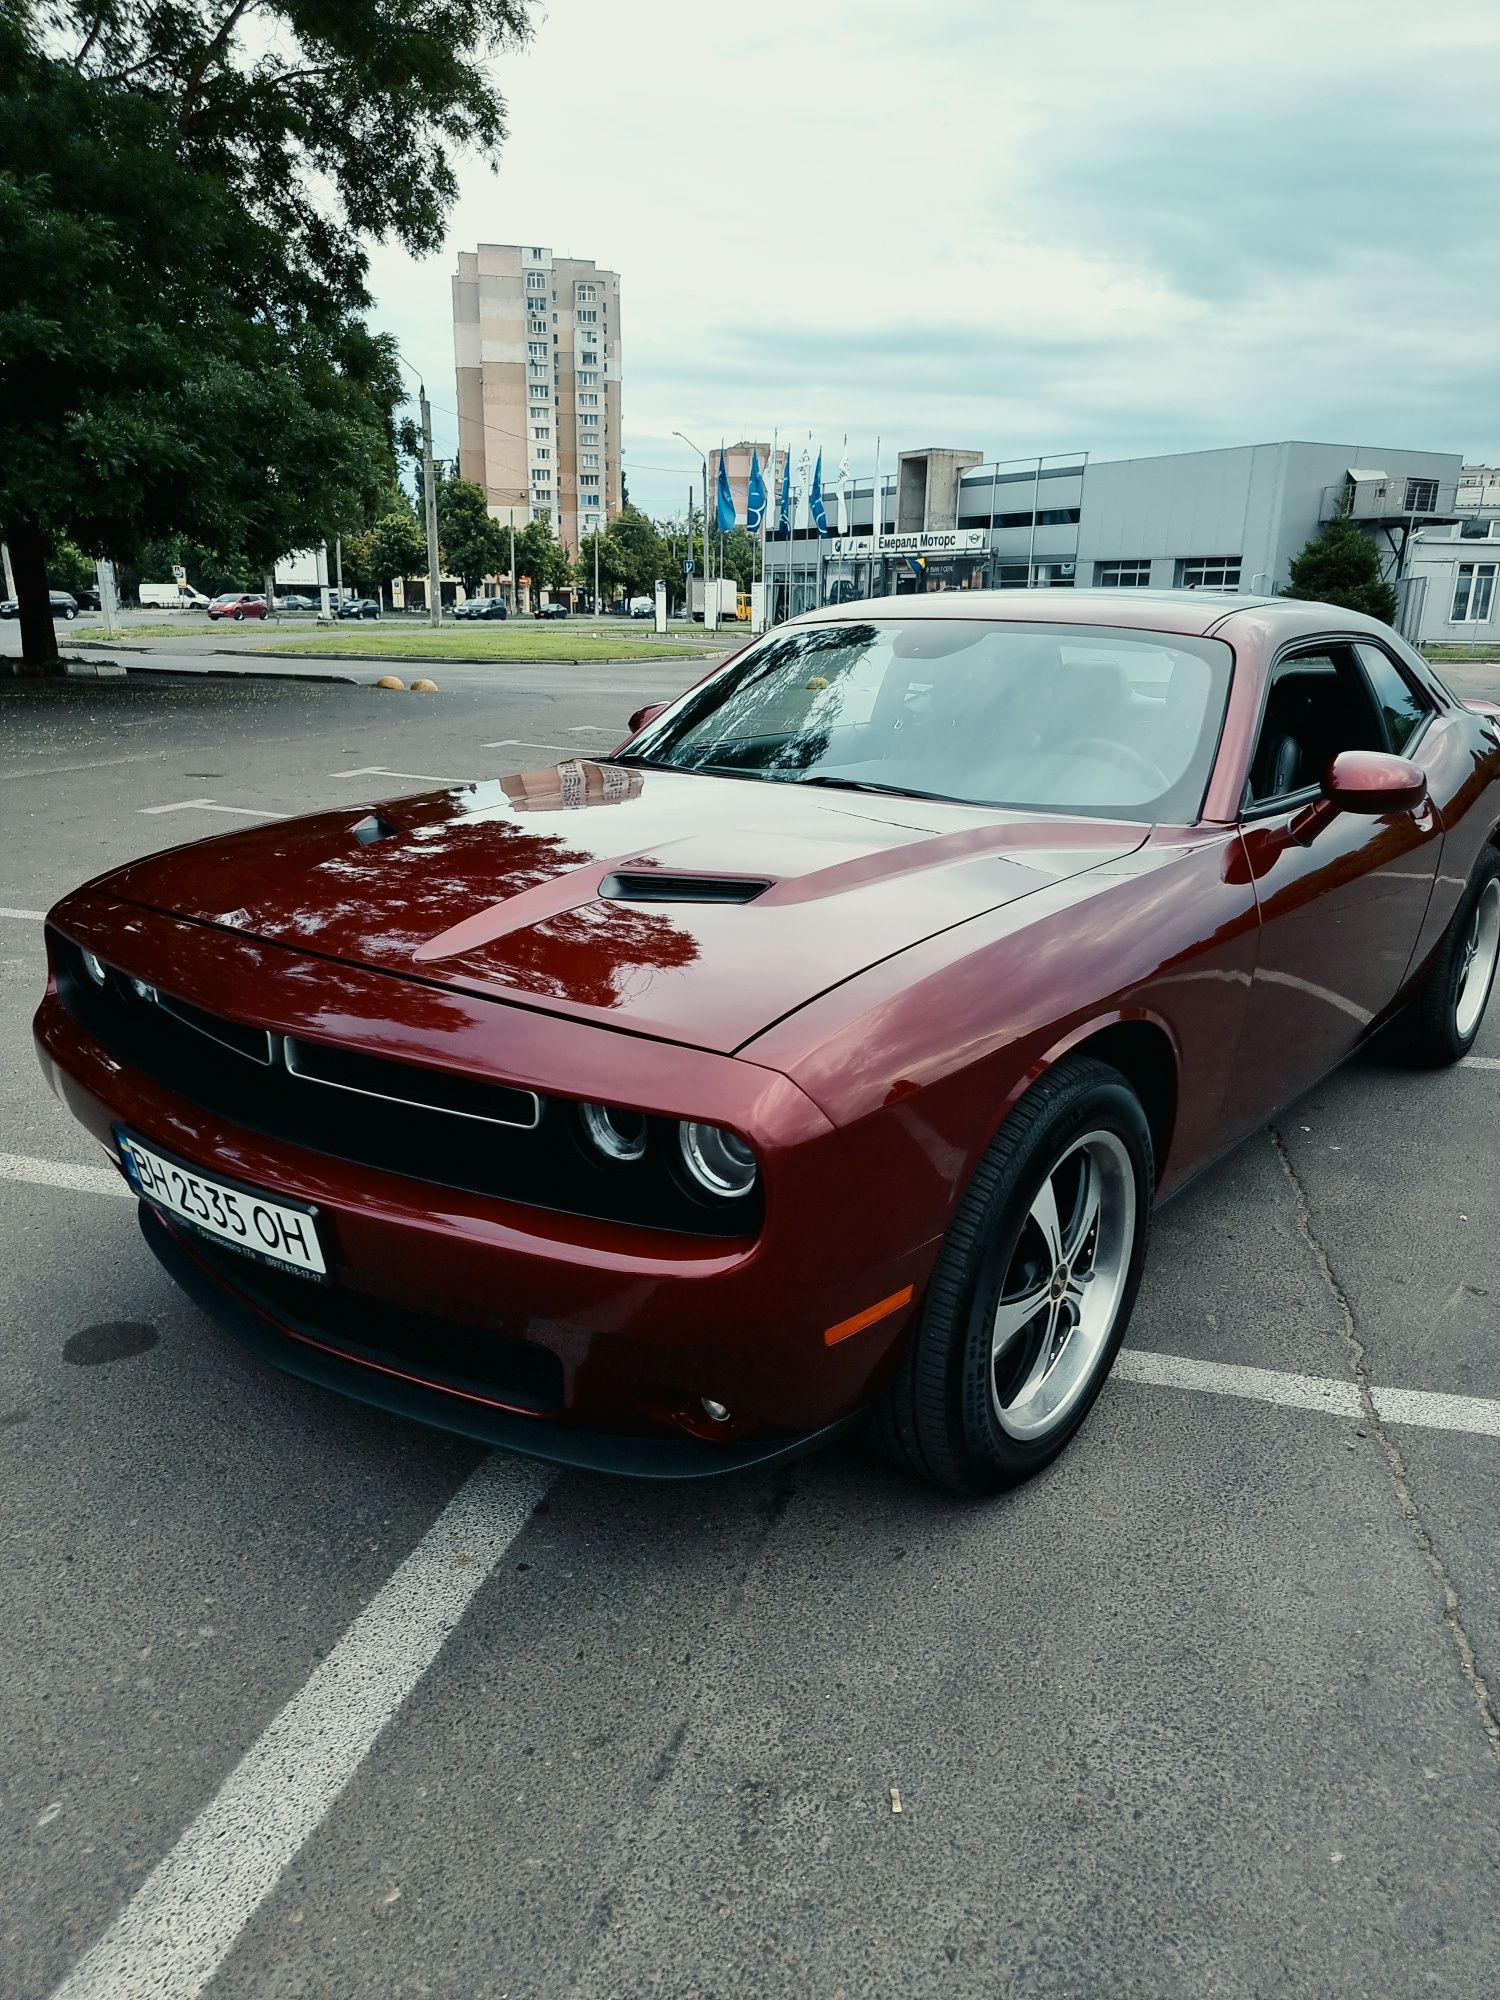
[1033, 1288]
[1446, 1011]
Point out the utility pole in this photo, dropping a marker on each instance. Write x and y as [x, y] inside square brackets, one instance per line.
[596, 572]
[338, 563]
[512, 562]
[429, 508]
[10, 578]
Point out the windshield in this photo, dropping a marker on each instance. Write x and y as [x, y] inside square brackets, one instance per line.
[1065, 718]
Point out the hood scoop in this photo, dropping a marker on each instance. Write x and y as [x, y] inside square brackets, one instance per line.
[655, 885]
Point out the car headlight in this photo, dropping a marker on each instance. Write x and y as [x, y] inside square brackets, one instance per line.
[94, 967]
[719, 1162]
[617, 1134]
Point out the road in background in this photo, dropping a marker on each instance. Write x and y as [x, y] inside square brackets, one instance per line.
[1201, 1711]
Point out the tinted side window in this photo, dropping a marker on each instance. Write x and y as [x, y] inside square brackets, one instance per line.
[1318, 705]
[1404, 709]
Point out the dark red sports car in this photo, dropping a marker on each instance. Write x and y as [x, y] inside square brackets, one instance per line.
[821, 1055]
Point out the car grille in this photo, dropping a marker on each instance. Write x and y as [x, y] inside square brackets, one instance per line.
[446, 1352]
[426, 1124]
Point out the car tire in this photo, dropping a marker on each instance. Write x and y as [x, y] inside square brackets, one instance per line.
[70, 614]
[985, 1395]
[239, 617]
[1447, 1010]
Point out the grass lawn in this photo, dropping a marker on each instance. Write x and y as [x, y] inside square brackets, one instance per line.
[521, 645]
[191, 628]
[1438, 654]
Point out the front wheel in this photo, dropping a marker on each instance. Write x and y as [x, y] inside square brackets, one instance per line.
[1448, 1007]
[1032, 1290]
[239, 617]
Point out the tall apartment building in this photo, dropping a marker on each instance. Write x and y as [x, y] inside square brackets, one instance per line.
[536, 343]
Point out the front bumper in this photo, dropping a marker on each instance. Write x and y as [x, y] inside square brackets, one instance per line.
[296, 1350]
[639, 1326]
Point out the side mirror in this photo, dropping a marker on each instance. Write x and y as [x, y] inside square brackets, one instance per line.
[1368, 782]
[642, 716]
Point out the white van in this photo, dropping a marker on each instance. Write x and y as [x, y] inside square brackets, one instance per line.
[642, 607]
[171, 597]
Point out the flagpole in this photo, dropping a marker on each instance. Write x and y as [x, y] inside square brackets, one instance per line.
[875, 512]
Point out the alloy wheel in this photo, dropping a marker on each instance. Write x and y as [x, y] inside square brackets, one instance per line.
[1063, 1287]
[1477, 959]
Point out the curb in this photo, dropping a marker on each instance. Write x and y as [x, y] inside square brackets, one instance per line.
[240, 673]
[472, 660]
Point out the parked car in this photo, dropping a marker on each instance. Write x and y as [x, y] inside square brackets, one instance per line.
[64, 605]
[238, 605]
[482, 607]
[642, 607]
[88, 598]
[957, 932]
[359, 607]
[295, 601]
[553, 610]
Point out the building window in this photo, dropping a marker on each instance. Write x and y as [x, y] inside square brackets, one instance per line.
[1208, 573]
[537, 349]
[590, 402]
[589, 421]
[1122, 575]
[541, 453]
[588, 317]
[586, 295]
[1473, 593]
[540, 410]
[542, 431]
[588, 377]
[589, 458]
[588, 479]
[1421, 496]
[588, 361]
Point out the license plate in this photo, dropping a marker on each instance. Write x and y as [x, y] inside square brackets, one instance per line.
[250, 1221]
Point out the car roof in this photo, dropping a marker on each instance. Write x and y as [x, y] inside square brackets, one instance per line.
[1189, 613]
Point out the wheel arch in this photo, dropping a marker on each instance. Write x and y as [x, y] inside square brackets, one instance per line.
[1143, 1050]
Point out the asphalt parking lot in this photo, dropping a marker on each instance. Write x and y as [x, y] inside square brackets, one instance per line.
[300, 1700]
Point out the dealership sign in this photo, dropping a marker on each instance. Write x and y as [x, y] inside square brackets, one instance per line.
[933, 542]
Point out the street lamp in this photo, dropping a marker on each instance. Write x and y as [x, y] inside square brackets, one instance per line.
[704, 456]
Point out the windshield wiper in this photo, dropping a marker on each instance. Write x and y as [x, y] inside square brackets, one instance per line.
[867, 785]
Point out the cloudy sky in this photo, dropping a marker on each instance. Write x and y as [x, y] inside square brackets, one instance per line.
[1118, 226]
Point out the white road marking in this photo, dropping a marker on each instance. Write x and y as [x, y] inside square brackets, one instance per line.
[1479, 1415]
[208, 806]
[1264, 1385]
[182, 1923]
[27, 916]
[379, 771]
[588, 729]
[1469, 1062]
[59, 1174]
[524, 743]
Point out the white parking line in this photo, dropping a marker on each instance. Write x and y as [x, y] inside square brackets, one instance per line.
[1480, 1062]
[181, 1924]
[208, 806]
[26, 916]
[1479, 1415]
[379, 771]
[59, 1174]
[525, 743]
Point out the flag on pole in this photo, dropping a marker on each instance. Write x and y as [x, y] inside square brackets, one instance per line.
[725, 508]
[755, 496]
[815, 505]
[784, 508]
[843, 488]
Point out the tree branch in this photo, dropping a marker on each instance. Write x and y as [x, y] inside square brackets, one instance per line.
[210, 49]
[89, 39]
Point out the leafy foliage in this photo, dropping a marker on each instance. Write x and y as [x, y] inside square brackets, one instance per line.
[1341, 565]
[473, 545]
[542, 557]
[183, 347]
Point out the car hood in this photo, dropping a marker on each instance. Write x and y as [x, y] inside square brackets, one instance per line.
[692, 908]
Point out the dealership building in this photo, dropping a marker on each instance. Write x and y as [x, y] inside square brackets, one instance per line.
[1206, 520]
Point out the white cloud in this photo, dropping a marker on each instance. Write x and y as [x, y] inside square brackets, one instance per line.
[1020, 227]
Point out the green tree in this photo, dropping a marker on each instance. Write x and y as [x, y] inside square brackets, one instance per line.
[396, 546]
[473, 545]
[542, 557]
[642, 554]
[184, 190]
[1341, 565]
